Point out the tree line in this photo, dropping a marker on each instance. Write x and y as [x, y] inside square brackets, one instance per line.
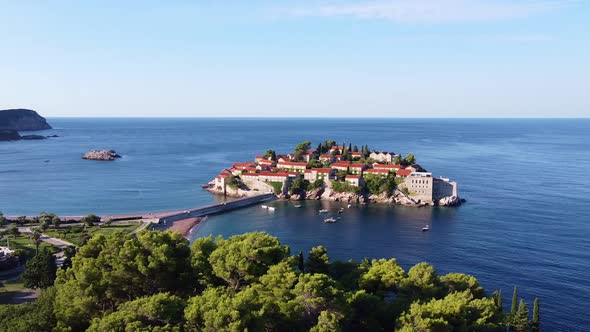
[157, 281]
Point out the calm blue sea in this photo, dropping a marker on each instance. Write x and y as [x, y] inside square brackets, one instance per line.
[526, 182]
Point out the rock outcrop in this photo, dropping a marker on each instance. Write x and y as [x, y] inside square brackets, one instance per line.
[104, 155]
[450, 201]
[9, 135]
[22, 120]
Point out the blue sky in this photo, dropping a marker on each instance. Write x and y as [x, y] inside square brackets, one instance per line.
[353, 58]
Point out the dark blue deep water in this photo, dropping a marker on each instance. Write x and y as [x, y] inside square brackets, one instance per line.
[526, 182]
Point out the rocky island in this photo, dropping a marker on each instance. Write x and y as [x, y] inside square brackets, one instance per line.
[103, 155]
[337, 173]
[14, 120]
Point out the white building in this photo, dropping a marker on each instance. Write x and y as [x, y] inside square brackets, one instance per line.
[384, 157]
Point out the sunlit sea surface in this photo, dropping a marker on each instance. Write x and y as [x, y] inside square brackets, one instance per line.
[526, 183]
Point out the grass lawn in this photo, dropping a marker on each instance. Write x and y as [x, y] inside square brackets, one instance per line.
[76, 234]
[24, 242]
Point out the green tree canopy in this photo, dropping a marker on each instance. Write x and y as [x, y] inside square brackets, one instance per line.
[303, 146]
[110, 270]
[242, 259]
[161, 312]
[318, 261]
[410, 159]
[383, 276]
[40, 271]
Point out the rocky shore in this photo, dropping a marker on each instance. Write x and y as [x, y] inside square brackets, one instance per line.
[103, 155]
[326, 193]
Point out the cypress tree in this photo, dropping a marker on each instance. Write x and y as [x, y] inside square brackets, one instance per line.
[319, 149]
[349, 146]
[300, 263]
[520, 321]
[355, 149]
[535, 324]
[514, 301]
[497, 296]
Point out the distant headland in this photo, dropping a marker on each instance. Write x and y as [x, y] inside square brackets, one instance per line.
[337, 173]
[14, 120]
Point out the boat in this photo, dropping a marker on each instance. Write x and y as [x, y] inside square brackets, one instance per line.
[349, 205]
[264, 206]
[297, 205]
[323, 211]
[425, 228]
[270, 208]
[341, 210]
[330, 220]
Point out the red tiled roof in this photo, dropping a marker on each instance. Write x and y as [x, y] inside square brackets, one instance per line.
[404, 172]
[356, 154]
[291, 163]
[326, 155]
[353, 176]
[341, 164]
[357, 165]
[250, 174]
[382, 166]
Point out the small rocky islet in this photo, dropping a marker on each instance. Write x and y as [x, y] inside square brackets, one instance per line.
[101, 155]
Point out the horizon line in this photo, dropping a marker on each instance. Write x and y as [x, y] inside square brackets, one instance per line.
[313, 117]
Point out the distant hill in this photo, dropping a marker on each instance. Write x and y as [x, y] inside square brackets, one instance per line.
[22, 120]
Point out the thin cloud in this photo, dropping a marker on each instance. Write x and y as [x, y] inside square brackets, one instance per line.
[429, 11]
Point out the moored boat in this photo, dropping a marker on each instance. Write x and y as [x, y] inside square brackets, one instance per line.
[425, 228]
[330, 220]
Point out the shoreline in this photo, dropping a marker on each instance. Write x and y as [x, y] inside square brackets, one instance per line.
[185, 226]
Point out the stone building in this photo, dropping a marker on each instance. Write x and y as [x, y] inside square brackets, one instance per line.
[443, 187]
[420, 185]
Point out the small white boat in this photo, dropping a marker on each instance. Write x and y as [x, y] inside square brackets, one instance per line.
[297, 205]
[264, 206]
[425, 228]
[349, 205]
[341, 210]
[330, 220]
[323, 211]
[270, 208]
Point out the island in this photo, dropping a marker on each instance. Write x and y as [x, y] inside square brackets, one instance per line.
[14, 120]
[22, 120]
[102, 155]
[337, 173]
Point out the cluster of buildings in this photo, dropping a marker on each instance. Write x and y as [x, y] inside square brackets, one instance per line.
[420, 184]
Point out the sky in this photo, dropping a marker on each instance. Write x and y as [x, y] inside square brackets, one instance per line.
[284, 58]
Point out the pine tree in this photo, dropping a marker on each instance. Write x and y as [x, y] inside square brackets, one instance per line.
[514, 301]
[520, 321]
[535, 325]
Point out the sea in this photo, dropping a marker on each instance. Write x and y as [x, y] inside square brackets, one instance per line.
[526, 182]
